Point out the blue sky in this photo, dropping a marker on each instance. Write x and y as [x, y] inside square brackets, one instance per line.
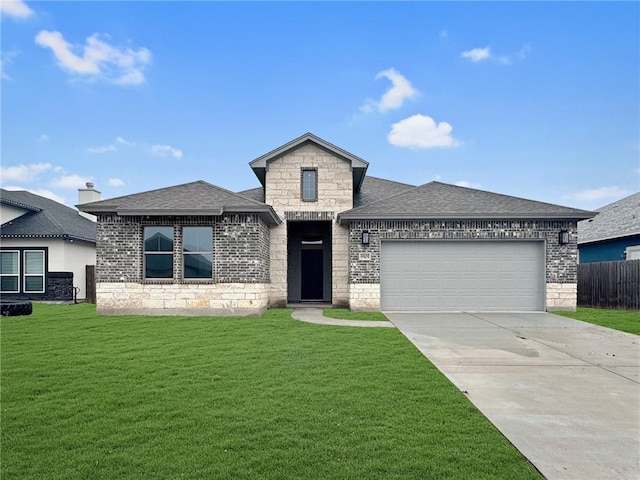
[533, 99]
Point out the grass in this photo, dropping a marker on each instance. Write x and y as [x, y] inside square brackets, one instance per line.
[623, 320]
[346, 314]
[90, 397]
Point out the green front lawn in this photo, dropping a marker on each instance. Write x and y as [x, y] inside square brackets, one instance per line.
[346, 314]
[623, 320]
[89, 397]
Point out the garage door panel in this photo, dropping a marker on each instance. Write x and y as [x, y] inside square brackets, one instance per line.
[456, 275]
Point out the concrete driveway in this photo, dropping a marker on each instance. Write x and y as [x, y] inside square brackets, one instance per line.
[564, 392]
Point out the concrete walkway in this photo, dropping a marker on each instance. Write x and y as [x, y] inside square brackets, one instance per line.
[314, 315]
[565, 393]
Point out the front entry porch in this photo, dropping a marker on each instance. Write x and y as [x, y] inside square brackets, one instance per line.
[309, 262]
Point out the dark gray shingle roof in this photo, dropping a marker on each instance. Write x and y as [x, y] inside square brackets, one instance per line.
[45, 218]
[256, 194]
[195, 198]
[375, 189]
[441, 200]
[618, 219]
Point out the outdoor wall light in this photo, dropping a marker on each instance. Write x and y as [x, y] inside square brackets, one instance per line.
[563, 237]
[365, 237]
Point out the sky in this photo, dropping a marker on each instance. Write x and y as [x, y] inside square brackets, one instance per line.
[539, 100]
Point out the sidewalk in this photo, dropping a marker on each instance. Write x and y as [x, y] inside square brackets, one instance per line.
[314, 315]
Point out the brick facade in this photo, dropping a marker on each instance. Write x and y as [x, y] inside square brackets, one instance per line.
[560, 262]
[241, 248]
[241, 257]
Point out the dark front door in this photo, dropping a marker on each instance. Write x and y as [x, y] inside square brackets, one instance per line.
[312, 274]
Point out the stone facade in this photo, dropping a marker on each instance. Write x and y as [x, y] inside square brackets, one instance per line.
[335, 195]
[562, 296]
[364, 297]
[182, 299]
[59, 288]
[560, 261]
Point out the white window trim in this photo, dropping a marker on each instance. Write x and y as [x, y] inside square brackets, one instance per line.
[25, 275]
[12, 274]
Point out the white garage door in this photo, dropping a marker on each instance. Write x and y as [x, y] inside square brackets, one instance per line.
[462, 275]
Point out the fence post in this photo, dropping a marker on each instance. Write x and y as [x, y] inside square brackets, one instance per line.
[91, 283]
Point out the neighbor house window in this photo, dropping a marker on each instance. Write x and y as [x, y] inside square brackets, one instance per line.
[9, 271]
[197, 252]
[309, 184]
[34, 271]
[158, 252]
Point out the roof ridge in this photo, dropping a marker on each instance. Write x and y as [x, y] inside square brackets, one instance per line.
[15, 203]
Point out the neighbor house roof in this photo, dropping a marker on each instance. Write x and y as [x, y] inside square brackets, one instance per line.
[441, 200]
[618, 219]
[44, 218]
[358, 165]
[196, 198]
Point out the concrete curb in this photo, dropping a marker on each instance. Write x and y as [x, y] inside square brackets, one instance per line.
[314, 315]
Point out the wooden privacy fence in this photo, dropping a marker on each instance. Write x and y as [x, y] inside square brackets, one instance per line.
[91, 283]
[609, 284]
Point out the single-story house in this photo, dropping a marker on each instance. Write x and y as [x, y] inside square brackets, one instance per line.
[613, 234]
[45, 247]
[320, 230]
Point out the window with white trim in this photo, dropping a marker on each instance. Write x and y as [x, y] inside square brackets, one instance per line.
[197, 252]
[158, 252]
[10, 271]
[33, 271]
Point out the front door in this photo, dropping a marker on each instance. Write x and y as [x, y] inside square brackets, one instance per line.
[311, 274]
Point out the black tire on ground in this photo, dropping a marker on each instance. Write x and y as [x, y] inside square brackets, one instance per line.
[13, 309]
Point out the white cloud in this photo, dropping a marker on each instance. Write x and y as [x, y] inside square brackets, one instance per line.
[15, 9]
[71, 181]
[39, 191]
[115, 182]
[43, 138]
[464, 183]
[23, 173]
[164, 150]
[482, 54]
[401, 90]
[99, 59]
[601, 193]
[477, 54]
[421, 131]
[123, 141]
[524, 52]
[6, 58]
[101, 149]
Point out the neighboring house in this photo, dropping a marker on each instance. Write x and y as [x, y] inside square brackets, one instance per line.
[320, 230]
[45, 247]
[613, 234]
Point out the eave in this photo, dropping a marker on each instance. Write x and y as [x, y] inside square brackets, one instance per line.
[358, 165]
[345, 218]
